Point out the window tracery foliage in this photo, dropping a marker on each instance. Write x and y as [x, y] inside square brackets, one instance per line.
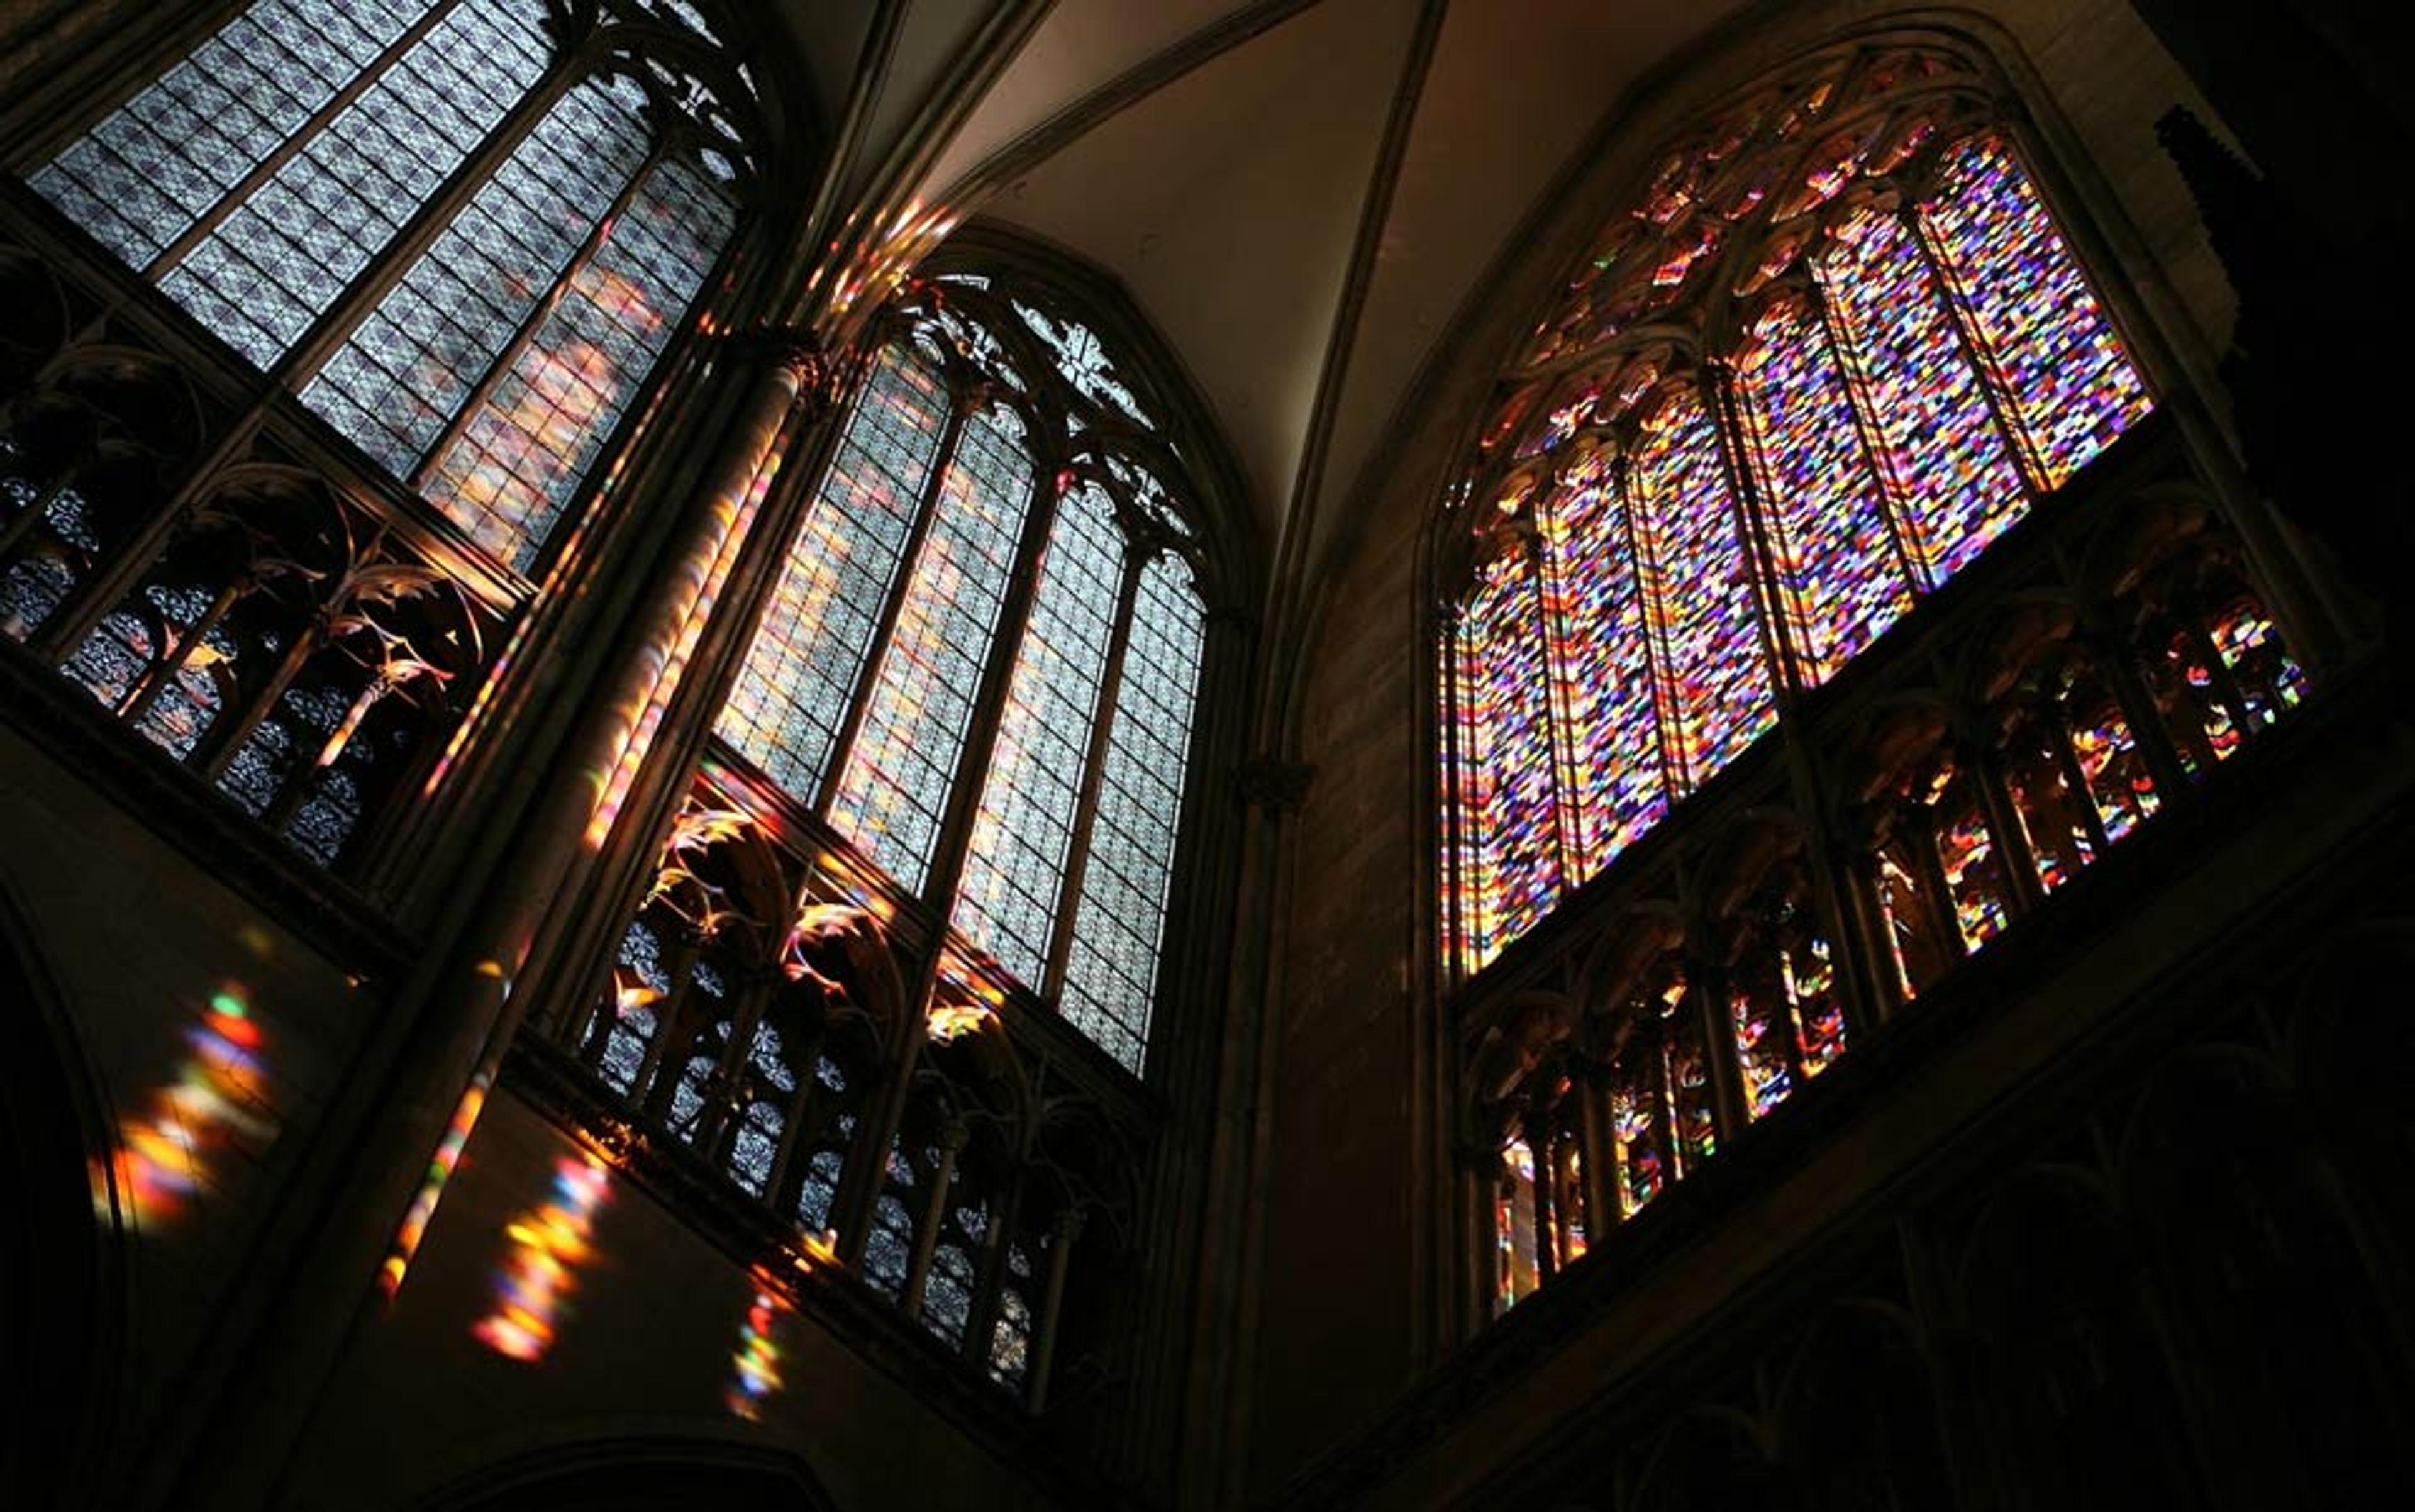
[1745, 964]
[462, 230]
[1836, 349]
[235, 605]
[979, 663]
[755, 1032]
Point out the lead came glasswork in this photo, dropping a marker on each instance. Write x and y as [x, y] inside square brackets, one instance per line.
[142, 176]
[1023, 829]
[266, 183]
[1942, 453]
[2030, 308]
[1718, 692]
[1111, 973]
[1514, 816]
[1605, 676]
[410, 365]
[1911, 376]
[292, 247]
[897, 778]
[791, 695]
[1838, 575]
[520, 457]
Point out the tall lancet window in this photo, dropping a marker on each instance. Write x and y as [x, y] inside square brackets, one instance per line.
[981, 663]
[463, 230]
[1834, 348]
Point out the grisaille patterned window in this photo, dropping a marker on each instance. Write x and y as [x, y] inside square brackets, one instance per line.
[463, 230]
[980, 664]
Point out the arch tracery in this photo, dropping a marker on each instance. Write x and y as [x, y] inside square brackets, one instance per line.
[1836, 350]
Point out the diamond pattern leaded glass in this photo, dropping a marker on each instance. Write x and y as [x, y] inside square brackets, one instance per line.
[894, 787]
[410, 365]
[1111, 973]
[291, 248]
[792, 695]
[148, 171]
[525, 449]
[1007, 901]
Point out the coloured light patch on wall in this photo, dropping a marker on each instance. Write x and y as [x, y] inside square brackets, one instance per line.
[284, 255]
[151, 168]
[895, 783]
[755, 1363]
[1023, 830]
[792, 695]
[1840, 581]
[1120, 927]
[2028, 307]
[1948, 467]
[1513, 815]
[519, 458]
[1717, 687]
[548, 1244]
[1603, 671]
[410, 365]
[217, 1106]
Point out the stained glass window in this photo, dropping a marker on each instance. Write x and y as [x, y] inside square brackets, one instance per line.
[1902, 356]
[463, 234]
[1044, 829]
[1512, 812]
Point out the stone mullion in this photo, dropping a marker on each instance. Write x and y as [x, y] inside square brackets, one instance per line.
[1937, 889]
[52, 115]
[367, 291]
[2137, 699]
[1708, 987]
[500, 368]
[296, 140]
[1739, 461]
[118, 573]
[893, 604]
[1893, 492]
[955, 840]
[936, 1205]
[2003, 404]
[1061, 1235]
[333, 1223]
[2061, 741]
[989, 1278]
[1988, 775]
[1094, 774]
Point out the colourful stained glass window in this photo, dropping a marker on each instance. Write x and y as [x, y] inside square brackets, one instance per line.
[1512, 814]
[1840, 578]
[791, 696]
[1717, 688]
[1972, 866]
[2028, 307]
[1950, 469]
[1602, 673]
[1110, 975]
[1023, 830]
[894, 790]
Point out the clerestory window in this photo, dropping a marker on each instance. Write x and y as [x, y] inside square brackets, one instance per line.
[980, 665]
[462, 230]
[1837, 347]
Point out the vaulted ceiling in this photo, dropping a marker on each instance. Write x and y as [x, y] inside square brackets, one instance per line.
[1299, 194]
